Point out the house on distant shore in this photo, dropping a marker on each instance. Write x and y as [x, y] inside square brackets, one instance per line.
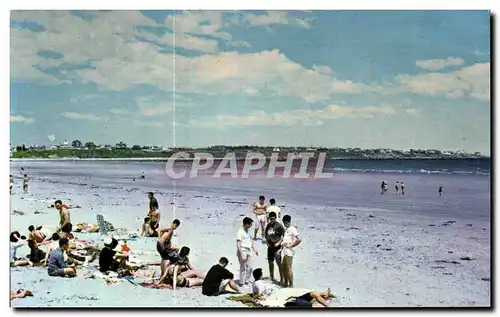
[66, 145]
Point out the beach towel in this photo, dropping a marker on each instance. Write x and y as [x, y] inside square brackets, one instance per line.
[156, 286]
[246, 299]
[279, 296]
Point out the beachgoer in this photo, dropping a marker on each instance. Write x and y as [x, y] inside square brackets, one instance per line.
[17, 241]
[385, 188]
[63, 214]
[245, 246]
[402, 188]
[36, 234]
[274, 236]
[109, 258]
[167, 251]
[184, 275]
[396, 188]
[260, 289]
[37, 256]
[259, 209]
[440, 190]
[146, 230]
[11, 183]
[25, 183]
[154, 212]
[20, 293]
[143, 176]
[56, 264]
[219, 280]
[85, 227]
[305, 300]
[291, 239]
[382, 185]
[274, 208]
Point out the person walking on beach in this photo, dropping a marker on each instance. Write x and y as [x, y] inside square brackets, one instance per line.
[382, 185]
[273, 207]
[396, 187]
[219, 280]
[56, 264]
[291, 239]
[260, 211]
[274, 236]
[63, 214]
[402, 188]
[440, 190]
[245, 246]
[167, 251]
[25, 183]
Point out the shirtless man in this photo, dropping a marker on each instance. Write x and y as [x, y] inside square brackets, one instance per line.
[165, 248]
[154, 212]
[63, 213]
[260, 211]
[37, 234]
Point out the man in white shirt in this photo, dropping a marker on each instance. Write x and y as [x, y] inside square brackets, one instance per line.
[273, 207]
[245, 246]
[291, 239]
[260, 288]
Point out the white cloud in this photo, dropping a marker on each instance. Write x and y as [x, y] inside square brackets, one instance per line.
[119, 111]
[472, 81]
[306, 117]
[21, 119]
[80, 116]
[274, 17]
[149, 123]
[437, 64]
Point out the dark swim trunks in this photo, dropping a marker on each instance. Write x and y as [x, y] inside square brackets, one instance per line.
[165, 252]
[273, 253]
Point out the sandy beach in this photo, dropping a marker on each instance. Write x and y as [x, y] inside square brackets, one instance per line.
[372, 250]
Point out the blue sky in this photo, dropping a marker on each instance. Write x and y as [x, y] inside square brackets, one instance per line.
[369, 79]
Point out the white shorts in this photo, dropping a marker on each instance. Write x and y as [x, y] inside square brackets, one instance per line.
[288, 252]
[261, 218]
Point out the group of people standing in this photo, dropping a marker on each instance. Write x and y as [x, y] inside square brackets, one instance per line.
[281, 239]
[399, 188]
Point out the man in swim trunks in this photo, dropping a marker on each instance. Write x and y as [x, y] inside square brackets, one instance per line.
[154, 212]
[56, 264]
[260, 211]
[63, 214]
[167, 251]
[37, 256]
[274, 236]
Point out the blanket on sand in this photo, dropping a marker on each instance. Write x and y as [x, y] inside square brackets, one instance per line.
[277, 298]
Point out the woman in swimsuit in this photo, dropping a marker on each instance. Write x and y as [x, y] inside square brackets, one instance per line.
[182, 273]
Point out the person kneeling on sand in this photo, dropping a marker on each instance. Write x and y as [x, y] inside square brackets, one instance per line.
[56, 264]
[219, 280]
[110, 259]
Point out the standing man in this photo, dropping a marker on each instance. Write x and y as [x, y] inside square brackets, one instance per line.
[245, 245]
[273, 207]
[25, 183]
[63, 214]
[440, 190]
[259, 209]
[402, 188]
[154, 212]
[396, 187]
[165, 248]
[274, 236]
[291, 239]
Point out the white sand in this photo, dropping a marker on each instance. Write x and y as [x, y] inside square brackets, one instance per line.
[339, 248]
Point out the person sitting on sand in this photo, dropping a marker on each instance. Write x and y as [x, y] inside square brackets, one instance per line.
[37, 256]
[146, 230]
[305, 300]
[260, 289]
[184, 275]
[38, 234]
[16, 242]
[110, 259]
[165, 248]
[85, 227]
[63, 214]
[219, 280]
[56, 264]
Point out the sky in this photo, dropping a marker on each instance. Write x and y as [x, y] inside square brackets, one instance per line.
[367, 79]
